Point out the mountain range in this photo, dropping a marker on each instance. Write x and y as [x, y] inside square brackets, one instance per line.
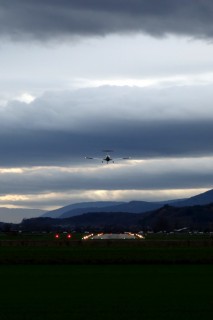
[131, 207]
[167, 218]
[77, 209]
[195, 213]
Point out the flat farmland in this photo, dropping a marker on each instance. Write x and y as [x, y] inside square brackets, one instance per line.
[35, 292]
[151, 279]
[106, 252]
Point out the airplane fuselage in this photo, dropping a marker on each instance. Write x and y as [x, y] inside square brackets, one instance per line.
[107, 159]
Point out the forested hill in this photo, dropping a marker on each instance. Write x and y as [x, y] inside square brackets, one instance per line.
[167, 218]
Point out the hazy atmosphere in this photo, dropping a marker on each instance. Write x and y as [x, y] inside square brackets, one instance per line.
[81, 76]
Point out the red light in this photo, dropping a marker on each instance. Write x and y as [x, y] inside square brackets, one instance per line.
[57, 236]
[69, 236]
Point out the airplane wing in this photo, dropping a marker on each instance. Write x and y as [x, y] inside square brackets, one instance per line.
[90, 158]
[125, 158]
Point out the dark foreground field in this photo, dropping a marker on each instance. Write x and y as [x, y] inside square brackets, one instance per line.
[42, 292]
[153, 279]
[107, 252]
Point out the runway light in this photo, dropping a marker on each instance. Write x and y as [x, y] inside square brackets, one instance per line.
[57, 236]
[69, 236]
[139, 236]
[87, 237]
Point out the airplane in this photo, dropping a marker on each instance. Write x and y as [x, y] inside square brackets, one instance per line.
[107, 157]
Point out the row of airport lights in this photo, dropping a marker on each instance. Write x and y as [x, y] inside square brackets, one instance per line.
[137, 235]
[89, 236]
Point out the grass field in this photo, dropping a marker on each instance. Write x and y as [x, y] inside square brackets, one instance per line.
[109, 253]
[106, 292]
[152, 279]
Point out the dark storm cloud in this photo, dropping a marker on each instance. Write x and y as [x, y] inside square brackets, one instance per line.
[54, 19]
[137, 139]
[63, 128]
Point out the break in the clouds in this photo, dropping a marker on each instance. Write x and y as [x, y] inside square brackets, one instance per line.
[158, 174]
[63, 128]
[156, 179]
[54, 19]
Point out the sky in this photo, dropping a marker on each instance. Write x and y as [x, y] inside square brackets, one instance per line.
[81, 76]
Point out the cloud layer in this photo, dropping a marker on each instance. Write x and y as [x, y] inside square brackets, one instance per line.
[161, 174]
[167, 131]
[49, 19]
[47, 187]
[62, 128]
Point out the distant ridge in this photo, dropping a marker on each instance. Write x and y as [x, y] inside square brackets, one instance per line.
[131, 207]
[167, 218]
[78, 208]
[200, 199]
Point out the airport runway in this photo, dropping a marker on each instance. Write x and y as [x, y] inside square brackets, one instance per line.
[117, 236]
